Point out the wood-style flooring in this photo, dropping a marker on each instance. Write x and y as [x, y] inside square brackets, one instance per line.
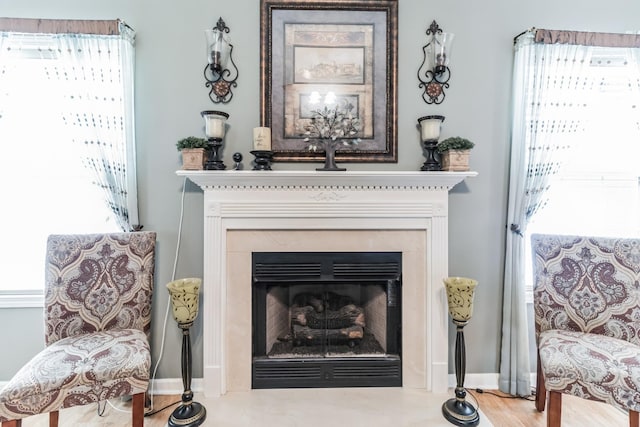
[500, 411]
[506, 411]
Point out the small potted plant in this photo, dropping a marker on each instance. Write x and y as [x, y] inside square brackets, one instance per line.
[194, 152]
[454, 153]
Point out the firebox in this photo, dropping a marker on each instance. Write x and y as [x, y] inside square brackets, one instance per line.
[326, 319]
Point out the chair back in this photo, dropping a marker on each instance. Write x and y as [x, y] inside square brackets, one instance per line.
[588, 284]
[97, 282]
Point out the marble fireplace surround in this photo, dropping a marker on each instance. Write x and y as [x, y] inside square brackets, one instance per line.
[277, 211]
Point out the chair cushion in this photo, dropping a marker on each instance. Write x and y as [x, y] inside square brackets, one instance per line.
[591, 366]
[78, 370]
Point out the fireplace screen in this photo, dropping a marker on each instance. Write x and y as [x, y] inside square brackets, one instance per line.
[326, 319]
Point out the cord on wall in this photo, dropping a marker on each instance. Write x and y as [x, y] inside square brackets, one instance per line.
[173, 277]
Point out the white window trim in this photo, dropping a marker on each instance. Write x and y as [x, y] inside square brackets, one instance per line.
[22, 299]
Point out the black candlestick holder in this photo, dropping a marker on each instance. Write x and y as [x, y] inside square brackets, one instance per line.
[215, 160]
[432, 163]
[262, 160]
[189, 413]
[457, 410]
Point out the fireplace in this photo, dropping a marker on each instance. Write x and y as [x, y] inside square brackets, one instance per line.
[247, 212]
[326, 319]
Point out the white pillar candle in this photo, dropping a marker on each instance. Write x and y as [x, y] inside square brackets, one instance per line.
[214, 123]
[214, 127]
[430, 127]
[262, 139]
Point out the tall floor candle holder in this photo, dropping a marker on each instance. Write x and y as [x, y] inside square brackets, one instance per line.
[184, 300]
[460, 292]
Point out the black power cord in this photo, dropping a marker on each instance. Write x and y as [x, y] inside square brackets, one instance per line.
[531, 397]
[149, 414]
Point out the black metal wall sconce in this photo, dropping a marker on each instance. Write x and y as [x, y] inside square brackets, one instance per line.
[221, 72]
[434, 72]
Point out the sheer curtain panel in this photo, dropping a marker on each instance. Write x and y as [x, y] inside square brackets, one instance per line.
[94, 67]
[555, 90]
[547, 81]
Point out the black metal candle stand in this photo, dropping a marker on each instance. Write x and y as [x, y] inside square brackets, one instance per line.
[262, 160]
[215, 160]
[432, 163]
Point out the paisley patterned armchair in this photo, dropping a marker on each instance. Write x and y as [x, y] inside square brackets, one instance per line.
[587, 315]
[98, 290]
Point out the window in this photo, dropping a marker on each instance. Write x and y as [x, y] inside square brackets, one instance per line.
[50, 183]
[597, 190]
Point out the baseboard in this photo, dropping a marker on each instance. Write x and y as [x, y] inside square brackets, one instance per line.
[161, 386]
[484, 381]
[174, 385]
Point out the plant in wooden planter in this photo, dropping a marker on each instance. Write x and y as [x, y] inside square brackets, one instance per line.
[194, 152]
[454, 153]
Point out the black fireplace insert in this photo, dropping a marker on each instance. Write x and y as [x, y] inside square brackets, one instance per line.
[326, 319]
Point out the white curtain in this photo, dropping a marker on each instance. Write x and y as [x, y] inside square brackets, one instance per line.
[97, 74]
[91, 66]
[549, 91]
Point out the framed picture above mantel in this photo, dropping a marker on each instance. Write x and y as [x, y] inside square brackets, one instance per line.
[317, 53]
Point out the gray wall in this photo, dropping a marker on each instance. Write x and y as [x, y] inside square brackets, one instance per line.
[170, 95]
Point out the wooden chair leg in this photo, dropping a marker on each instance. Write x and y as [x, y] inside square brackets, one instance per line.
[554, 411]
[634, 419]
[541, 391]
[12, 423]
[138, 410]
[53, 418]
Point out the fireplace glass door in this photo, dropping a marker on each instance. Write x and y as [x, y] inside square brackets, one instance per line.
[329, 319]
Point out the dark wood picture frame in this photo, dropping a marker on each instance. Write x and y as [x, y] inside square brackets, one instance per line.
[344, 47]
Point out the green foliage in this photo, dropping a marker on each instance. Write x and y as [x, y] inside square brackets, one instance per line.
[454, 143]
[191, 142]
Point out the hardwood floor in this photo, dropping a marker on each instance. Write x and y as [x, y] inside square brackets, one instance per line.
[500, 411]
[507, 411]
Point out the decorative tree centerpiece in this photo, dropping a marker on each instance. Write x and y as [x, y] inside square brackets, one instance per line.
[330, 128]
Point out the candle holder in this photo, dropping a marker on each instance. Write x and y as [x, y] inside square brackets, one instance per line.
[430, 133]
[262, 160]
[214, 162]
[214, 130]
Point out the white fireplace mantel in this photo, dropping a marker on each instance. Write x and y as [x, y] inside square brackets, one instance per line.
[247, 211]
[401, 179]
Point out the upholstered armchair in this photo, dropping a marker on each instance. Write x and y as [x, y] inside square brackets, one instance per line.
[587, 316]
[97, 313]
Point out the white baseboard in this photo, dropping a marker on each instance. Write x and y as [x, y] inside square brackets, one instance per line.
[483, 381]
[161, 386]
[174, 385]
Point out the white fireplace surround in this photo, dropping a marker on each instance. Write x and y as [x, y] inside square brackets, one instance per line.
[262, 211]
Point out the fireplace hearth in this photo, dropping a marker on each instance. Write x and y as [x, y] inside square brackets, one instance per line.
[326, 319]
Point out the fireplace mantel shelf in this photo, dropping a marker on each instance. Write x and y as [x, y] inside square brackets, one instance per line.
[382, 179]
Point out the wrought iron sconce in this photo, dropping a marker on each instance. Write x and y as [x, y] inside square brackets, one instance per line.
[221, 72]
[434, 72]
